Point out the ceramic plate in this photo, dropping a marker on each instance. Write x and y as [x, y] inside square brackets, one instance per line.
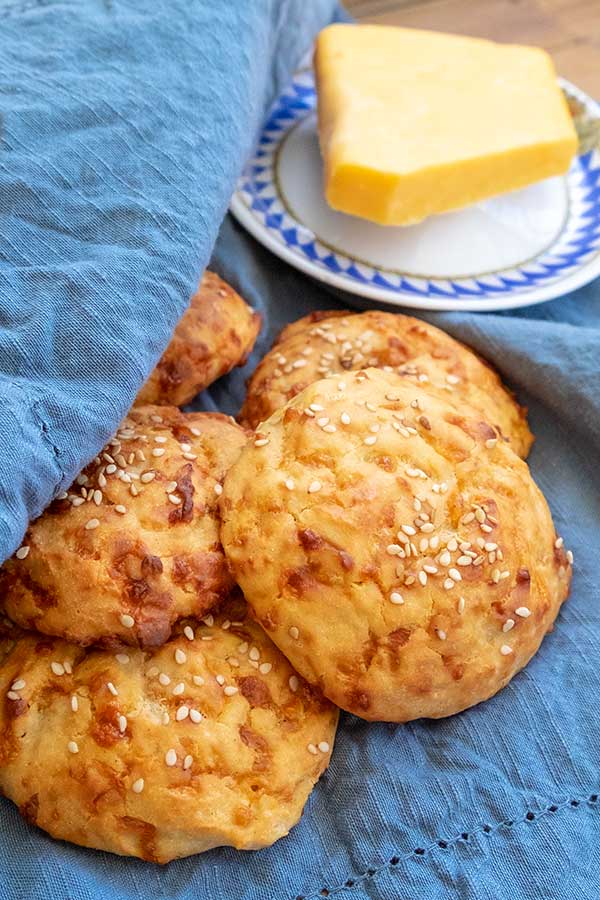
[521, 248]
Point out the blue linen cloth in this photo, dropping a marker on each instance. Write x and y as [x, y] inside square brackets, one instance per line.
[500, 802]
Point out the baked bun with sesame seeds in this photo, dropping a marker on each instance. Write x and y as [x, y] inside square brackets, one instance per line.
[395, 550]
[211, 740]
[215, 334]
[327, 343]
[134, 544]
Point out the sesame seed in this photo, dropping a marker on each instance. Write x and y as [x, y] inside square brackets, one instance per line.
[12, 695]
[293, 632]
[510, 623]
[22, 552]
[423, 578]
[393, 549]
[408, 529]
[491, 443]
[322, 420]
[314, 486]
[209, 620]
[188, 762]
[152, 671]
[345, 418]
[324, 747]
[293, 683]
[73, 747]
[505, 649]
[452, 379]
[127, 621]
[180, 656]
[254, 653]
[570, 557]
[441, 634]
[445, 558]
[18, 685]
[218, 489]
[147, 477]
[182, 713]
[316, 407]
[196, 432]
[461, 605]
[121, 509]
[289, 483]
[265, 668]
[164, 679]
[170, 757]
[523, 611]
[261, 442]
[67, 666]
[112, 689]
[431, 570]
[74, 703]
[189, 632]
[496, 576]
[174, 499]
[559, 542]
[158, 451]
[138, 786]
[198, 679]
[243, 648]
[486, 528]
[220, 679]
[178, 689]
[166, 718]
[448, 584]
[57, 668]
[122, 724]
[464, 561]
[91, 524]
[370, 440]
[396, 598]
[330, 429]
[195, 716]
[455, 574]
[312, 749]
[190, 456]
[230, 690]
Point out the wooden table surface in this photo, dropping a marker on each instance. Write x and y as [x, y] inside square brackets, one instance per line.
[568, 29]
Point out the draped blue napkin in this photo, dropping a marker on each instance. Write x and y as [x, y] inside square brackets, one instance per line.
[125, 124]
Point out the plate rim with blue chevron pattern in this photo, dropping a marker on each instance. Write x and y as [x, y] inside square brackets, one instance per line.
[569, 262]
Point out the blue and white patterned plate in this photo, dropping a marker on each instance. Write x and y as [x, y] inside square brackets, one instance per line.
[525, 247]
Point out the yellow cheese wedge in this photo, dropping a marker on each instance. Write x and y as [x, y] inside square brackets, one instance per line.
[415, 122]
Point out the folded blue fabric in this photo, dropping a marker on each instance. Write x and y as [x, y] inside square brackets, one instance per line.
[498, 802]
[125, 124]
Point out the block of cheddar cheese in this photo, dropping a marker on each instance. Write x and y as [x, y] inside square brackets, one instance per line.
[413, 122]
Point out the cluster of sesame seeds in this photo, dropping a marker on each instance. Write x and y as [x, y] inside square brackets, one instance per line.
[322, 747]
[127, 465]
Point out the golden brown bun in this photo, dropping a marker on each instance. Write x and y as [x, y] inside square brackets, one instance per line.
[334, 342]
[241, 773]
[151, 558]
[388, 543]
[215, 334]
